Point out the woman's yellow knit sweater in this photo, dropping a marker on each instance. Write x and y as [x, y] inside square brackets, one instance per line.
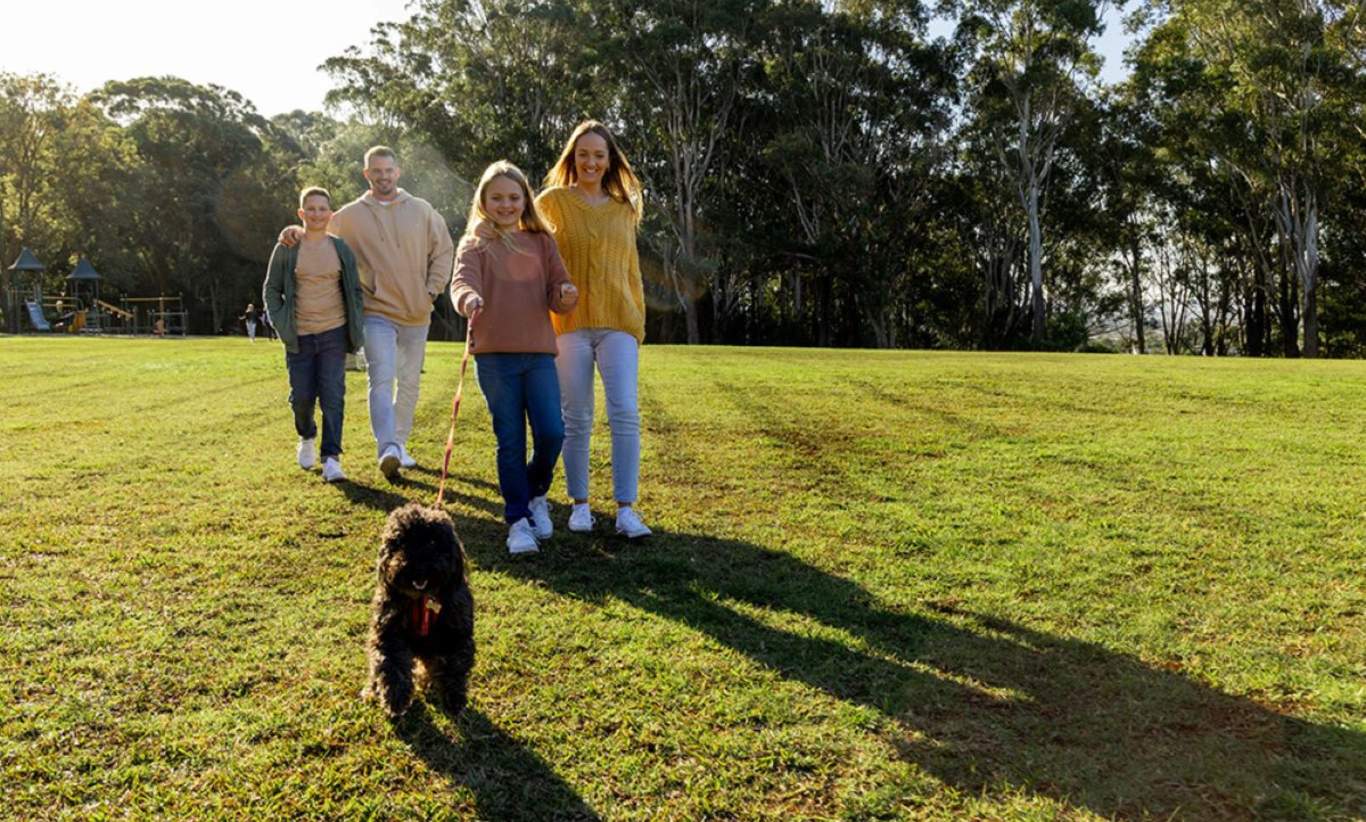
[598, 246]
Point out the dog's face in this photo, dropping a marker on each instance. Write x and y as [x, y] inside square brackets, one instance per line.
[419, 553]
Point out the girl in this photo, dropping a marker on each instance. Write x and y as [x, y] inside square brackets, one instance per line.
[592, 202]
[507, 285]
[312, 293]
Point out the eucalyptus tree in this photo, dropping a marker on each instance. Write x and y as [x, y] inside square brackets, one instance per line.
[1033, 68]
[680, 66]
[482, 80]
[1284, 69]
[861, 101]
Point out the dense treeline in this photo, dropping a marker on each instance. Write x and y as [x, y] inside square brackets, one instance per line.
[817, 173]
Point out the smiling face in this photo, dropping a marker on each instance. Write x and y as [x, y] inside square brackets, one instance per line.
[316, 212]
[504, 202]
[382, 172]
[591, 160]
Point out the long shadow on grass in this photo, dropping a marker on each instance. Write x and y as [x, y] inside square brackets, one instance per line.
[509, 781]
[387, 496]
[984, 704]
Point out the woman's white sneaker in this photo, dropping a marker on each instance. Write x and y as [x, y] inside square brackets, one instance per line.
[388, 462]
[521, 539]
[580, 518]
[540, 518]
[629, 524]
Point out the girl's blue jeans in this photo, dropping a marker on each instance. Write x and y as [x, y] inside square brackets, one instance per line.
[522, 389]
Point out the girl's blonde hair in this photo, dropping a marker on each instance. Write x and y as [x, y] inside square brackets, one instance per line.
[530, 220]
[620, 182]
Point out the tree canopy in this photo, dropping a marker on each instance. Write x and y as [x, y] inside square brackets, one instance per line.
[816, 172]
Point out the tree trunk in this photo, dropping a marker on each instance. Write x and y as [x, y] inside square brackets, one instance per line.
[1035, 264]
[1290, 325]
[1136, 295]
[1311, 322]
[690, 314]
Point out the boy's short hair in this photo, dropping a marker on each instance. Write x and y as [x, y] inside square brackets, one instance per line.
[314, 191]
[380, 151]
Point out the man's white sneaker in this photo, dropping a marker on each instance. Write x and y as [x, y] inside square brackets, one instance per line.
[332, 470]
[389, 461]
[540, 518]
[580, 518]
[629, 524]
[521, 539]
[307, 455]
[404, 459]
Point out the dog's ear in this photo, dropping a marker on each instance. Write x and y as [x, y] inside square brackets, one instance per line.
[390, 563]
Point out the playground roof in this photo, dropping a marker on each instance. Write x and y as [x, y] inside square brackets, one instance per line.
[27, 262]
[84, 271]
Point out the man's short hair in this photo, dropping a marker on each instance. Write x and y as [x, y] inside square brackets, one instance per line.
[380, 151]
[314, 191]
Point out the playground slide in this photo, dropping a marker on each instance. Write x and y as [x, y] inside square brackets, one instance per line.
[35, 316]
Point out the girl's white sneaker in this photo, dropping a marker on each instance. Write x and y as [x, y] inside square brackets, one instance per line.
[521, 539]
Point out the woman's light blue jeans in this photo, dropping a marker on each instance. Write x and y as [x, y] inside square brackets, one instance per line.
[617, 356]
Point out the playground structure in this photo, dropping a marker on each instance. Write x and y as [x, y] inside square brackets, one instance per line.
[81, 309]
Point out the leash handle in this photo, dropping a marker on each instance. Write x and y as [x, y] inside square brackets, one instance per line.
[455, 413]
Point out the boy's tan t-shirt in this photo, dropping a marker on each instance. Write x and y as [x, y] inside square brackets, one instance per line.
[318, 303]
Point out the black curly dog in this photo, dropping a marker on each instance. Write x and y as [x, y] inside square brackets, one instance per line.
[422, 612]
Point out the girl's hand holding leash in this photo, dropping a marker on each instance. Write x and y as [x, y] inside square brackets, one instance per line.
[474, 306]
[569, 297]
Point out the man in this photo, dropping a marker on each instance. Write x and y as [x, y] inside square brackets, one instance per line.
[405, 253]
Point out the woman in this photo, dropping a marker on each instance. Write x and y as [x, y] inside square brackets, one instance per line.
[592, 204]
[313, 295]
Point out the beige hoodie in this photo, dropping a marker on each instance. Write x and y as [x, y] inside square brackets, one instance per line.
[404, 253]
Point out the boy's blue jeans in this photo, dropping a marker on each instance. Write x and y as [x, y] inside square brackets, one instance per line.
[318, 373]
[522, 388]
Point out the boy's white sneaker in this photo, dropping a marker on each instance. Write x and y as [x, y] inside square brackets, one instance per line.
[308, 456]
[629, 524]
[521, 539]
[332, 470]
[404, 459]
[389, 461]
[540, 518]
[580, 518]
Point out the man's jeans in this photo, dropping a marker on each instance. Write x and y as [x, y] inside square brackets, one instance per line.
[318, 372]
[521, 388]
[617, 355]
[393, 351]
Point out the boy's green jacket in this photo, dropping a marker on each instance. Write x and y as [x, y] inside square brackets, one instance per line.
[278, 294]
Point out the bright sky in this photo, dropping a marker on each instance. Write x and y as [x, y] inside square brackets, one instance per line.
[268, 51]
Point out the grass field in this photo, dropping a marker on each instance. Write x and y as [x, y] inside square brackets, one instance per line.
[883, 585]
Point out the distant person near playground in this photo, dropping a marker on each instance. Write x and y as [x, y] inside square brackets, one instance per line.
[508, 286]
[592, 204]
[404, 254]
[312, 294]
[248, 317]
